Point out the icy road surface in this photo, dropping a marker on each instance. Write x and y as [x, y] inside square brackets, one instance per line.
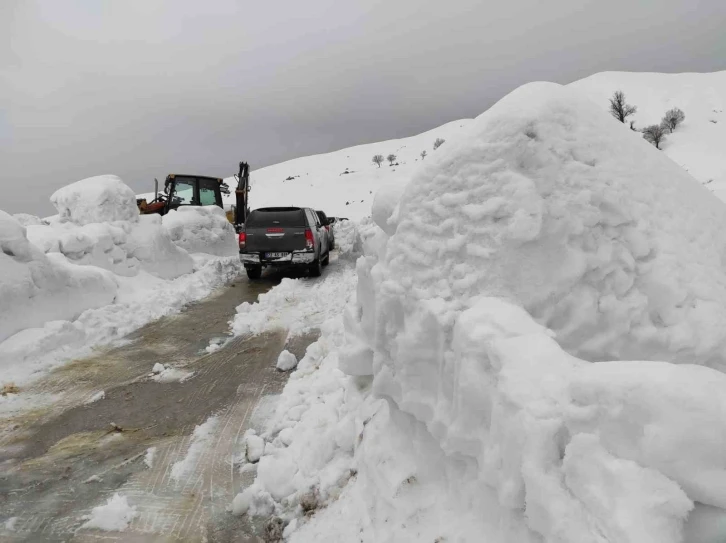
[64, 458]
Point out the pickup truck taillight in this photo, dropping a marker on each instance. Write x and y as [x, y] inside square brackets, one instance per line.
[309, 238]
[242, 240]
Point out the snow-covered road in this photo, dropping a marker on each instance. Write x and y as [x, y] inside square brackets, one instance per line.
[63, 458]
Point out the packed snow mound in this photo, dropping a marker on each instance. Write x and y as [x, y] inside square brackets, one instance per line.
[103, 198]
[28, 220]
[36, 288]
[697, 144]
[202, 230]
[548, 202]
[122, 247]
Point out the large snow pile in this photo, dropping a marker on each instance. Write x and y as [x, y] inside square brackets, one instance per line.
[550, 203]
[202, 230]
[35, 288]
[98, 224]
[545, 229]
[103, 198]
[697, 145]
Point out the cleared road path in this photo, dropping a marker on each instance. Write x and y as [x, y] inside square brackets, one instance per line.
[59, 461]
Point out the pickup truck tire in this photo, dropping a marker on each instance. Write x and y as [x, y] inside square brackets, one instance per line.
[332, 245]
[254, 273]
[327, 258]
[316, 269]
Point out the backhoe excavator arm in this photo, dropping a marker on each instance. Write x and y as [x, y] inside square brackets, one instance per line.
[242, 193]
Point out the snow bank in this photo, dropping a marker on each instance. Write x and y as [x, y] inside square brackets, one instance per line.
[36, 288]
[103, 198]
[124, 248]
[99, 225]
[297, 305]
[139, 300]
[549, 208]
[546, 231]
[202, 230]
[114, 516]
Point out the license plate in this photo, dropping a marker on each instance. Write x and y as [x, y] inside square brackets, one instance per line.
[276, 255]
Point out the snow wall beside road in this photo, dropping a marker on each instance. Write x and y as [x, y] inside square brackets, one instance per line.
[547, 231]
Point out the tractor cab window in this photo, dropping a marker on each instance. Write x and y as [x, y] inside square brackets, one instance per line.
[184, 193]
[208, 192]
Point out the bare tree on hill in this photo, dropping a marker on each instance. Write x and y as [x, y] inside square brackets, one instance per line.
[655, 134]
[673, 118]
[391, 158]
[619, 108]
[378, 159]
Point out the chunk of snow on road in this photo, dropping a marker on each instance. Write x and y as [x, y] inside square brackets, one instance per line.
[114, 516]
[95, 397]
[254, 446]
[202, 230]
[149, 458]
[200, 440]
[93, 479]
[103, 198]
[167, 374]
[286, 361]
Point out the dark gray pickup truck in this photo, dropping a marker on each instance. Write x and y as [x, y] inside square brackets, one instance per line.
[284, 237]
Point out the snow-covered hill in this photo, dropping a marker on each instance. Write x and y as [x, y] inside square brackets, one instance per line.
[699, 144]
[319, 181]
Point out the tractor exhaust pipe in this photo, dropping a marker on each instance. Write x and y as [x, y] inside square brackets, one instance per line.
[156, 188]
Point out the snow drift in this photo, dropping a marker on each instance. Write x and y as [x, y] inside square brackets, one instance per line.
[35, 288]
[544, 233]
[202, 230]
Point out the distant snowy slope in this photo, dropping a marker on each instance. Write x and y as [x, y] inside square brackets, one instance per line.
[318, 180]
[699, 144]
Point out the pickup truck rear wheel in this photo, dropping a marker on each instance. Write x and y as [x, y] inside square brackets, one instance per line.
[254, 273]
[316, 269]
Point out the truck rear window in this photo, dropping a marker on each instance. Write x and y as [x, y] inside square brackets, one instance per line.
[290, 217]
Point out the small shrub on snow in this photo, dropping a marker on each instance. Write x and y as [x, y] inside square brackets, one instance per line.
[378, 160]
[423, 154]
[438, 142]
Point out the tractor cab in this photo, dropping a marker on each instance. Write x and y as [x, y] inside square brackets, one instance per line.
[193, 190]
[185, 190]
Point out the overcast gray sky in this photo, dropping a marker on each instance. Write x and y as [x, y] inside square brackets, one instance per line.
[141, 88]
